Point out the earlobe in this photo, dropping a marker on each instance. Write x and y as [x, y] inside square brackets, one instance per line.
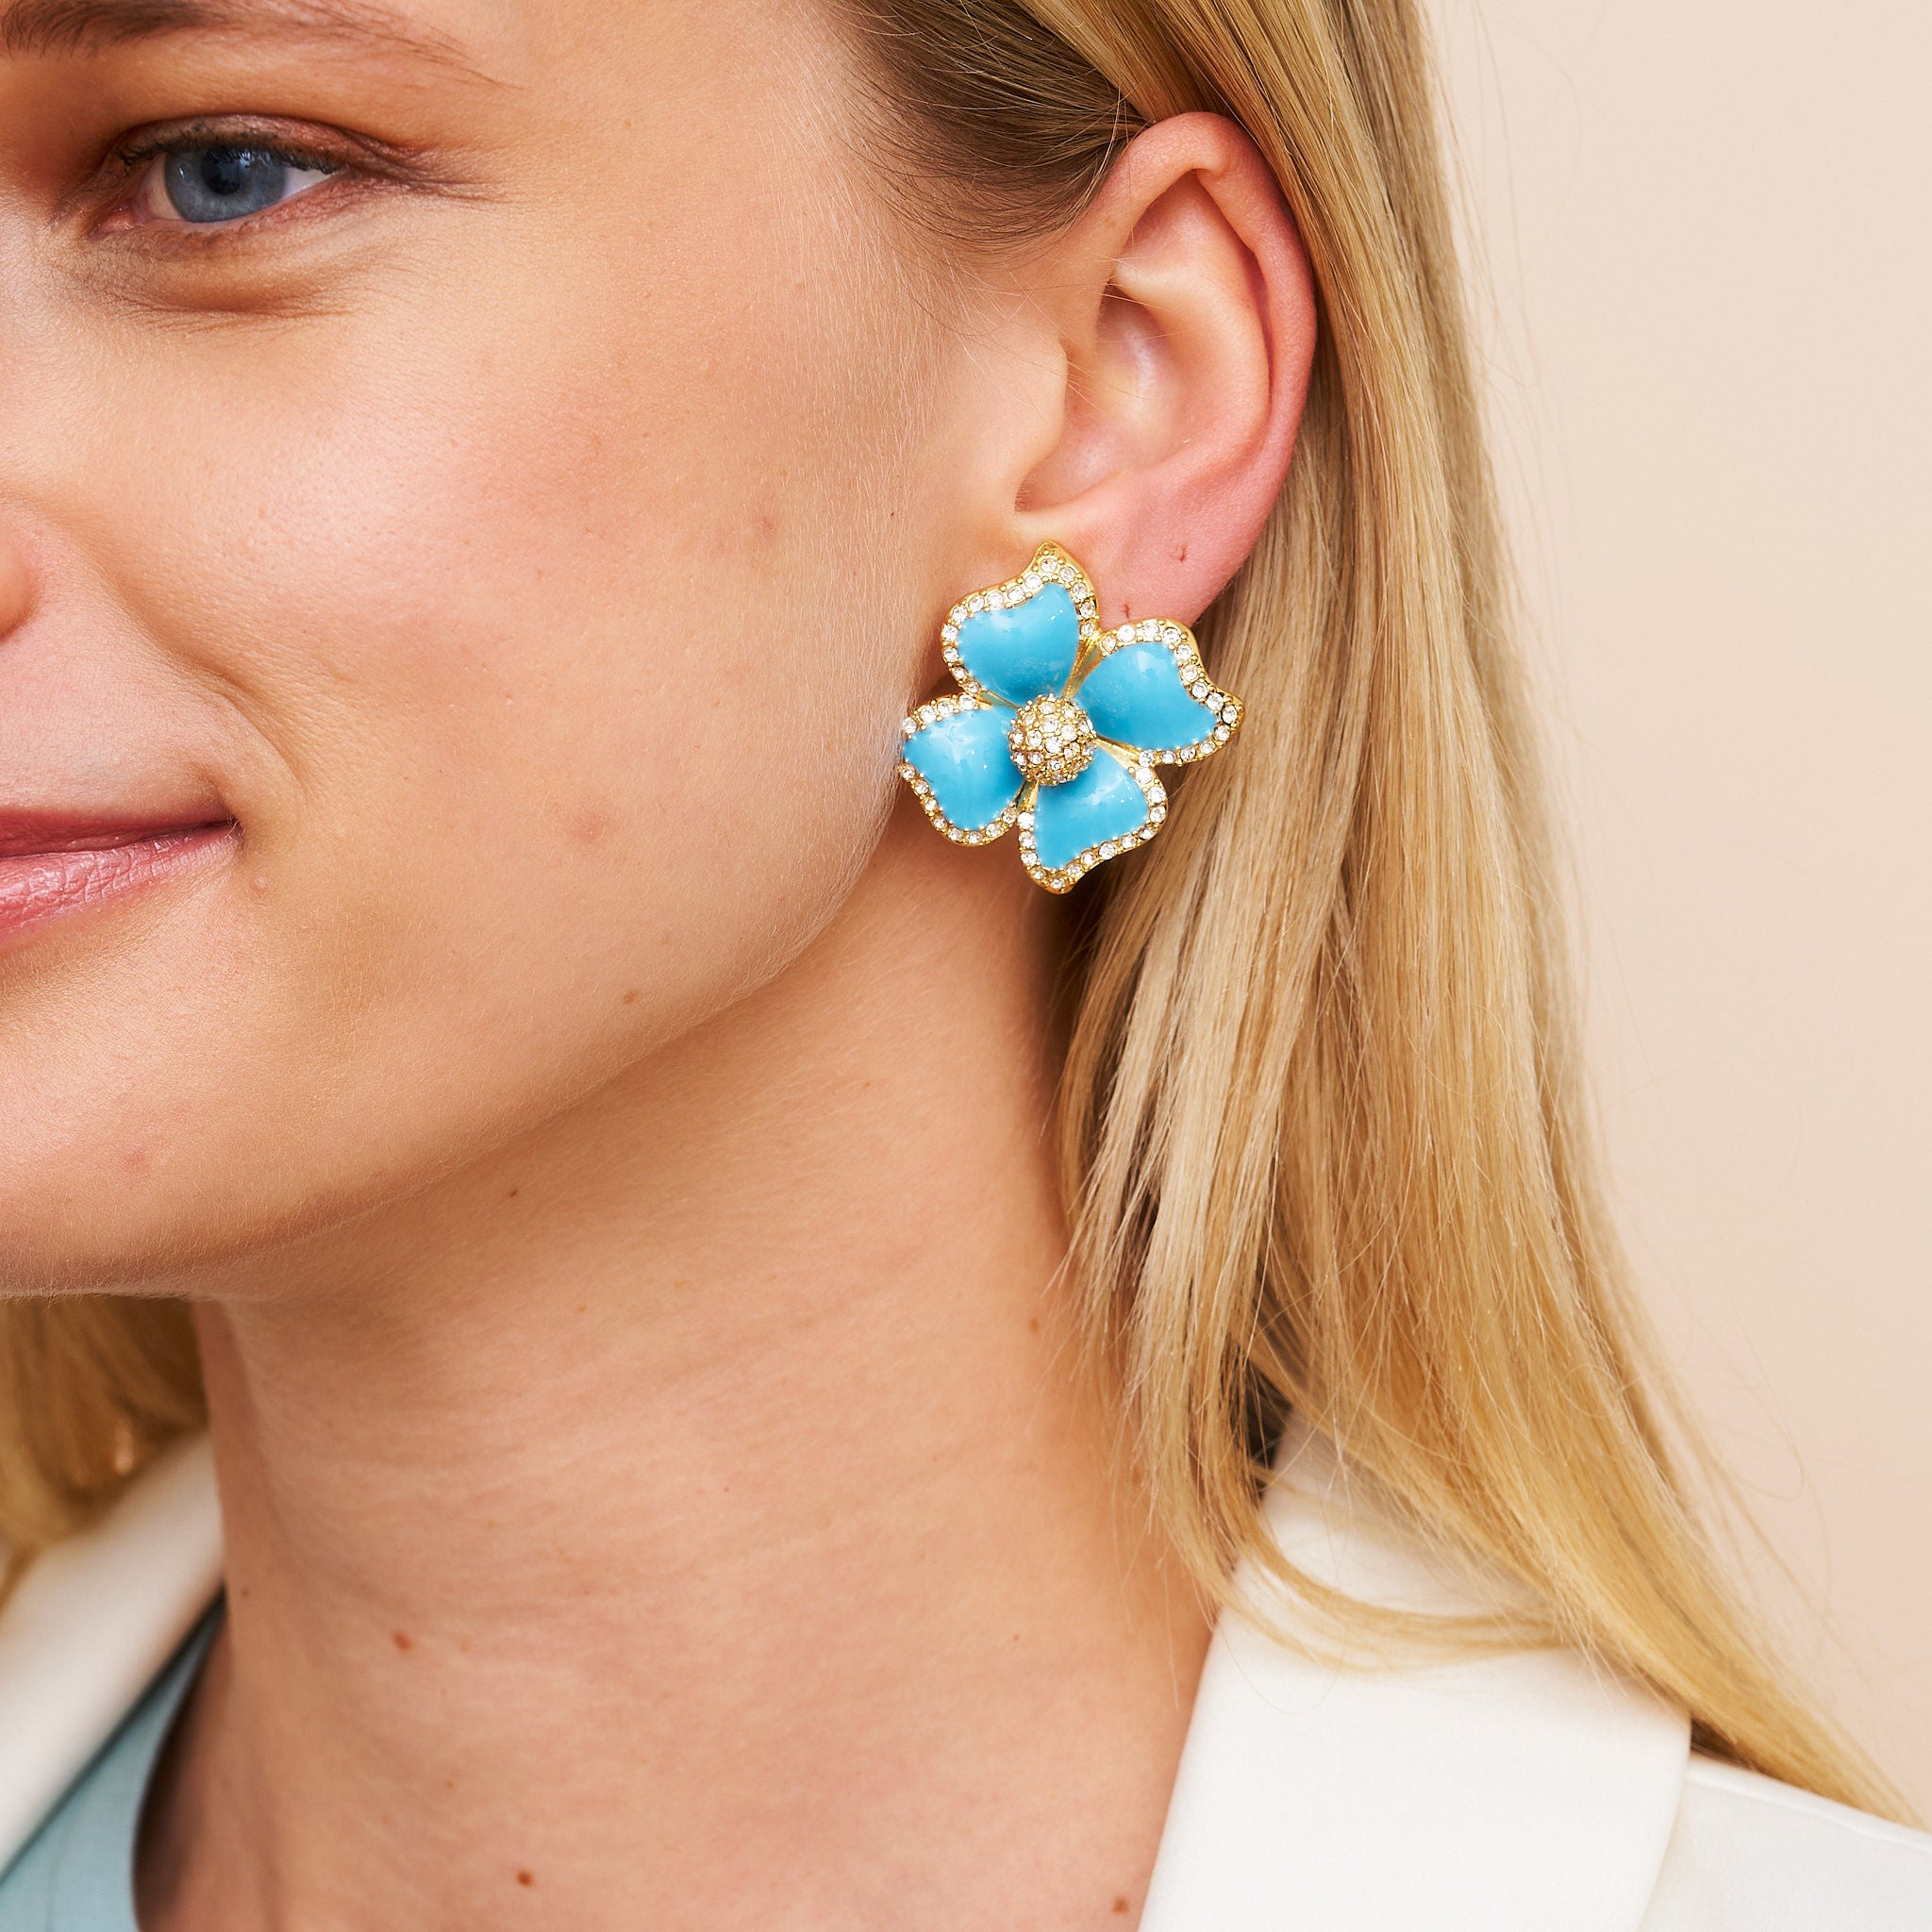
[1186, 315]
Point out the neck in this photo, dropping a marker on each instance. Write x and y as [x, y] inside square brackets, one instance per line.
[700, 1501]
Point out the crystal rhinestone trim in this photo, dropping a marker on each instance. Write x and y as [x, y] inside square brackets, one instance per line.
[1052, 740]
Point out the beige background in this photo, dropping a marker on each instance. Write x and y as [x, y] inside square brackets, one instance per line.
[1706, 233]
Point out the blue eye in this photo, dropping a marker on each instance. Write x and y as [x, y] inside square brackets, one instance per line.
[224, 183]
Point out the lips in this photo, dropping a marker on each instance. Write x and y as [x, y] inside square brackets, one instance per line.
[52, 867]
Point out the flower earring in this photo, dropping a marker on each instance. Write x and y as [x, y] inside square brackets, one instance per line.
[1057, 724]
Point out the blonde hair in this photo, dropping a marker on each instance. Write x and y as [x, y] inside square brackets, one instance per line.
[1320, 1122]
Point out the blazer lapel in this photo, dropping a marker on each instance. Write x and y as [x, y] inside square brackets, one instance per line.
[1521, 1793]
[89, 1625]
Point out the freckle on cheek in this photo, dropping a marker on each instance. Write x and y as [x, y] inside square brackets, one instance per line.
[402, 1639]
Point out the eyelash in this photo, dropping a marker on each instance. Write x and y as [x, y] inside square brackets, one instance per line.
[132, 160]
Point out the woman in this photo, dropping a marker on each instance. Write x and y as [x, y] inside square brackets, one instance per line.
[743, 1342]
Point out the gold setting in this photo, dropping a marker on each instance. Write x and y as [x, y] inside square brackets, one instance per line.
[1056, 764]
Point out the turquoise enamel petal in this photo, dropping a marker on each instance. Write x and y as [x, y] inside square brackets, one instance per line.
[1137, 697]
[965, 761]
[1021, 653]
[1102, 802]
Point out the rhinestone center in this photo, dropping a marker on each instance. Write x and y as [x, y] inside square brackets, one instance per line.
[1052, 740]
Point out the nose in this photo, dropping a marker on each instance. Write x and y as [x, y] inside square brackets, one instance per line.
[16, 587]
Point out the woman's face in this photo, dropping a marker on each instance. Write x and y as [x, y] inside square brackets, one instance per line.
[476, 590]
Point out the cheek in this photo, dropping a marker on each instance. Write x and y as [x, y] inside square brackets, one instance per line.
[538, 624]
[585, 582]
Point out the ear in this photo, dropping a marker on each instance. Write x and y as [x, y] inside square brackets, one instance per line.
[1185, 316]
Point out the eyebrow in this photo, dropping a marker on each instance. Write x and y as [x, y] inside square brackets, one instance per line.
[88, 27]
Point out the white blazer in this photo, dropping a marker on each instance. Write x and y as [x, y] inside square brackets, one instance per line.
[1525, 1793]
